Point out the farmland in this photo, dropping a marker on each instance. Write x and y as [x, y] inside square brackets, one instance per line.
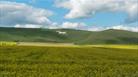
[68, 61]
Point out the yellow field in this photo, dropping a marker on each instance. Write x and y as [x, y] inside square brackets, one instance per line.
[66, 45]
[72, 45]
[115, 46]
[3, 43]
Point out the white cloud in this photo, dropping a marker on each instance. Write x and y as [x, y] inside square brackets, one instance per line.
[72, 25]
[83, 26]
[94, 28]
[27, 26]
[79, 26]
[86, 8]
[12, 13]
[118, 27]
[122, 27]
[54, 25]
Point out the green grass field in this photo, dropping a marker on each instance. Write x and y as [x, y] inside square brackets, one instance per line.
[87, 61]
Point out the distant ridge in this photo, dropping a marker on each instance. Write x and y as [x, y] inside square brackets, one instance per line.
[110, 36]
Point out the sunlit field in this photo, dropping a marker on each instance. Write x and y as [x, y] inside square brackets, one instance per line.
[68, 61]
[115, 46]
[3, 43]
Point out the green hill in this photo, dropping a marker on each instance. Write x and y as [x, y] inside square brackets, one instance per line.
[72, 36]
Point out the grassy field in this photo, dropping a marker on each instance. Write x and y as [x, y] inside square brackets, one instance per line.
[84, 61]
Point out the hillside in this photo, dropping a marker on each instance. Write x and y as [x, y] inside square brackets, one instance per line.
[71, 36]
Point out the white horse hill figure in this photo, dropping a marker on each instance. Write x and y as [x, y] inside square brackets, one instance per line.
[61, 32]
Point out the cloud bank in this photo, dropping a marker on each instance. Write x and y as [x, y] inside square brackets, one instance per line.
[12, 13]
[87, 8]
[83, 26]
[72, 25]
[117, 27]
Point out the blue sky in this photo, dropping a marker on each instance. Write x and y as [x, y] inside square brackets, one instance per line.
[61, 13]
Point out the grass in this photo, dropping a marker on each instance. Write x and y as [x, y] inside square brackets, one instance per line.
[38, 61]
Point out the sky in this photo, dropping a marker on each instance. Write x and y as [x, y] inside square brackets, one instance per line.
[92, 15]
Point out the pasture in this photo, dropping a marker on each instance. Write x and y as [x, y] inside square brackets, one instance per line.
[68, 61]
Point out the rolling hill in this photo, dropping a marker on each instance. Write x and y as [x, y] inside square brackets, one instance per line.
[72, 36]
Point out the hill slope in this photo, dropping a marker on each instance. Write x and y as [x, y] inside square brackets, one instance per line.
[71, 36]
